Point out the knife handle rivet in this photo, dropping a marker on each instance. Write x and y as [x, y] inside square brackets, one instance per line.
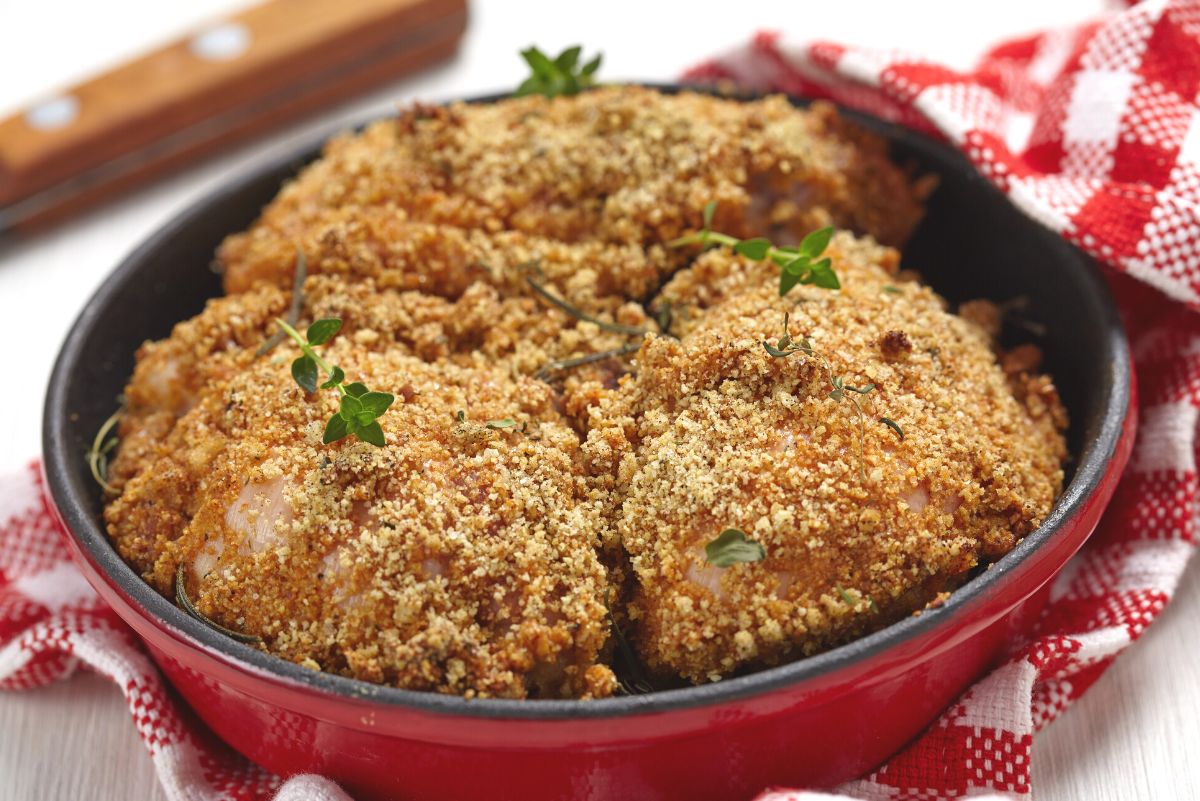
[221, 42]
[53, 113]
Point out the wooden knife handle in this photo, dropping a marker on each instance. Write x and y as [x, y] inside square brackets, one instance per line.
[230, 80]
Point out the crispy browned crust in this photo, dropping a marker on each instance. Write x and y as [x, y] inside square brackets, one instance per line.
[482, 562]
[457, 558]
[589, 186]
[860, 526]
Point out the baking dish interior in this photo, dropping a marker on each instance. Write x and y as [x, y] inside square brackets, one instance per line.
[972, 244]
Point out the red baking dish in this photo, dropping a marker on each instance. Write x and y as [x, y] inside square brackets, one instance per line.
[815, 722]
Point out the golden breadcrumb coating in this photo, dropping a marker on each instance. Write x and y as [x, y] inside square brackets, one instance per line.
[457, 558]
[860, 526]
[441, 197]
[520, 334]
[491, 562]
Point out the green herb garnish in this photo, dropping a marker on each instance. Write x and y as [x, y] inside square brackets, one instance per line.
[797, 265]
[501, 424]
[561, 75]
[102, 446]
[181, 597]
[559, 303]
[617, 328]
[733, 546]
[848, 599]
[360, 408]
[578, 361]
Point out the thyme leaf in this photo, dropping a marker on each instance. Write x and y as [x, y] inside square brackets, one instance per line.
[731, 547]
[359, 409]
[501, 424]
[797, 265]
[892, 424]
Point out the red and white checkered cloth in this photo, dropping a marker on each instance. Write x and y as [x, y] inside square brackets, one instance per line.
[1093, 131]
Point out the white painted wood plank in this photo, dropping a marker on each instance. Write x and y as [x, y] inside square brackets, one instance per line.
[1132, 737]
[72, 740]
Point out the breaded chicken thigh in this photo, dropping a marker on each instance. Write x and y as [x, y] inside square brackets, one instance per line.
[860, 525]
[458, 558]
[589, 187]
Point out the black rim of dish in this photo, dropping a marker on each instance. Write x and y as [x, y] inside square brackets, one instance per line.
[68, 492]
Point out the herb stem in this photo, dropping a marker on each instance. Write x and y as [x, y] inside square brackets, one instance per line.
[554, 300]
[638, 682]
[705, 238]
[579, 361]
[797, 265]
[309, 352]
[297, 304]
[98, 454]
[181, 597]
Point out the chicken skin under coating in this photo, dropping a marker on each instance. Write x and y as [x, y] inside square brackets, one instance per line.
[458, 558]
[590, 186]
[860, 526]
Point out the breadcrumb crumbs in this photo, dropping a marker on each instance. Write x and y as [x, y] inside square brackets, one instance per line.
[480, 562]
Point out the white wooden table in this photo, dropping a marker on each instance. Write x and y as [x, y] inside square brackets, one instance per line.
[1133, 736]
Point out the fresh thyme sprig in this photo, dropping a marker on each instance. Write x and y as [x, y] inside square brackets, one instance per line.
[731, 547]
[664, 318]
[360, 408]
[102, 446]
[561, 75]
[181, 597]
[797, 265]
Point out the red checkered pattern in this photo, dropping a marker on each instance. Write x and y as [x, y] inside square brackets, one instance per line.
[1095, 133]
